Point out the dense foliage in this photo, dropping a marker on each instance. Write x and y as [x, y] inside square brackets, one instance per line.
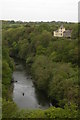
[7, 68]
[11, 111]
[53, 64]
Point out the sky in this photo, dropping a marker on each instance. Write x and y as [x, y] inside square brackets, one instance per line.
[39, 10]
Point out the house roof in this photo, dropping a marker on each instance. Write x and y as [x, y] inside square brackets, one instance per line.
[61, 26]
[68, 31]
[56, 31]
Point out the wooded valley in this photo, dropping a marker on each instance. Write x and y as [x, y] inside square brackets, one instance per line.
[53, 64]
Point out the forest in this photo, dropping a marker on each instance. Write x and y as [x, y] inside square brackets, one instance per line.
[53, 64]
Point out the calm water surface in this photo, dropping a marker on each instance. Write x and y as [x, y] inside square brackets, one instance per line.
[31, 99]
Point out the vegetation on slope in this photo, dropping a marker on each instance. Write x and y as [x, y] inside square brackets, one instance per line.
[53, 64]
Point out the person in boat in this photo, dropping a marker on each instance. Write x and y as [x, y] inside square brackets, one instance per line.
[23, 94]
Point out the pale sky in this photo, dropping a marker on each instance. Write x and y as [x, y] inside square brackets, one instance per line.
[39, 10]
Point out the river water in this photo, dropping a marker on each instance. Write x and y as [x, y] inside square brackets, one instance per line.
[32, 99]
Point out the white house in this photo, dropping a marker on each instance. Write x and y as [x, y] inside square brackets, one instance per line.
[62, 32]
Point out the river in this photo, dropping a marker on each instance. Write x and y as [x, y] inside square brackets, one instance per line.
[25, 94]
